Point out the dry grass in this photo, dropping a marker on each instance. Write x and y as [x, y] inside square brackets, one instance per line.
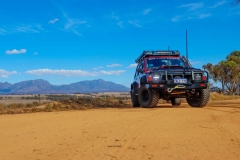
[63, 105]
[84, 103]
[214, 96]
[218, 97]
[17, 108]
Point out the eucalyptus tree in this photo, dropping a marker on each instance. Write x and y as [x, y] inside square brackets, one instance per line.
[227, 72]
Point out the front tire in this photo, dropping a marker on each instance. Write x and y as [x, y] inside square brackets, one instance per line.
[134, 99]
[176, 101]
[147, 98]
[201, 99]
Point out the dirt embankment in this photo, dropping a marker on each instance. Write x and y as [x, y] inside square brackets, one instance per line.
[164, 132]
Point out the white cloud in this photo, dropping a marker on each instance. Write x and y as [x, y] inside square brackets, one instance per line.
[114, 65]
[113, 16]
[234, 10]
[201, 16]
[15, 51]
[36, 53]
[72, 25]
[117, 72]
[97, 68]
[194, 62]
[28, 29]
[132, 65]
[193, 16]
[135, 23]
[2, 31]
[39, 27]
[61, 72]
[192, 6]
[120, 24]
[35, 28]
[146, 11]
[53, 21]
[76, 32]
[72, 73]
[73, 22]
[220, 3]
[5, 74]
[176, 18]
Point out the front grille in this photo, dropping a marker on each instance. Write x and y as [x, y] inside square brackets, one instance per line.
[172, 76]
[189, 77]
[164, 77]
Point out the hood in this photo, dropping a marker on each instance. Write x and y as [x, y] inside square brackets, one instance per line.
[173, 69]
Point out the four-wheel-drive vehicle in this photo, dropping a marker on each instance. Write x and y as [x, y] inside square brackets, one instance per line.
[167, 75]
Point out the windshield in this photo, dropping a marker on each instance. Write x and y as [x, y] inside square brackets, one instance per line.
[165, 62]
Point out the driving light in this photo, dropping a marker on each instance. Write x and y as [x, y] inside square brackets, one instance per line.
[197, 77]
[149, 78]
[156, 77]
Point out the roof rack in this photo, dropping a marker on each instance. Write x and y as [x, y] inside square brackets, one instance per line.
[157, 52]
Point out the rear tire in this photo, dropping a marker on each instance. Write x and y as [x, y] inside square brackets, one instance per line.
[134, 99]
[147, 98]
[201, 100]
[176, 101]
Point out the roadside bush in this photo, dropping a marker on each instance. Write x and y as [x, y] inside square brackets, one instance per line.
[35, 103]
[218, 97]
[49, 108]
[85, 103]
[15, 105]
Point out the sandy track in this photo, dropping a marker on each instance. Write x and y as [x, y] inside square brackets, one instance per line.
[165, 132]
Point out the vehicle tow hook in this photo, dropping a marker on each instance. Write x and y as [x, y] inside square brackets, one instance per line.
[169, 90]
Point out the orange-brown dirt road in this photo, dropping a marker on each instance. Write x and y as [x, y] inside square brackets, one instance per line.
[164, 132]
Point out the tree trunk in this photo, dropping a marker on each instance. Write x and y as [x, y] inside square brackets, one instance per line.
[232, 87]
[223, 87]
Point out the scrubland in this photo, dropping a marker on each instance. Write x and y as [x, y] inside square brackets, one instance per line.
[107, 127]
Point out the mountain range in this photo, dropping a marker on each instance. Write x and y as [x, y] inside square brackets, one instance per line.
[40, 86]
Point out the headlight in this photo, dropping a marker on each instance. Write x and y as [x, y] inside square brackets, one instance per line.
[197, 76]
[156, 77]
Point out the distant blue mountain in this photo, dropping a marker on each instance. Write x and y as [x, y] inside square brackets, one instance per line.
[40, 86]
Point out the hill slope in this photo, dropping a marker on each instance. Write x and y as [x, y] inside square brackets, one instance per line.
[40, 86]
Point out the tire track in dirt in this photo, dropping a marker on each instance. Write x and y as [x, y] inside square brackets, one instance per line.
[135, 133]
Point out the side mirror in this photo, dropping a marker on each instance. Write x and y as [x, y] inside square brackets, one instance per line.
[140, 70]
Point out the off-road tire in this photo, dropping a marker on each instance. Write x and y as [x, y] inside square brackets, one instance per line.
[201, 100]
[134, 99]
[176, 101]
[147, 98]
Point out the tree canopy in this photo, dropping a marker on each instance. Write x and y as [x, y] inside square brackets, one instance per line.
[227, 72]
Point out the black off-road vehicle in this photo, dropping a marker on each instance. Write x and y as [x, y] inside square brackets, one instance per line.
[167, 75]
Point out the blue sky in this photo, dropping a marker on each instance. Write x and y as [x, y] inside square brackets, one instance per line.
[69, 41]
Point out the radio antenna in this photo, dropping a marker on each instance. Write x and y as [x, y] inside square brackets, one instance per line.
[169, 58]
[187, 48]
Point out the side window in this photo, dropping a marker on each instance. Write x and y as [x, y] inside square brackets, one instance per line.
[141, 66]
[136, 73]
[138, 66]
[182, 64]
